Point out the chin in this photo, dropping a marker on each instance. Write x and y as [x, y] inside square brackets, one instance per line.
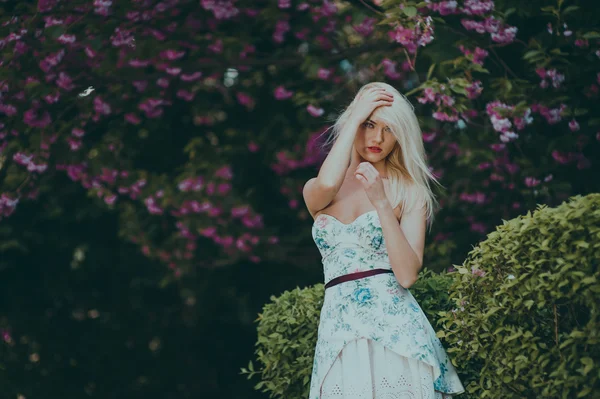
[373, 156]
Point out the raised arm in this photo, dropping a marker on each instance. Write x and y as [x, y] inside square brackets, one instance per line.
[319, 191]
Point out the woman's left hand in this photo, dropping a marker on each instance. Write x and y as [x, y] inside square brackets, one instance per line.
[372, 183]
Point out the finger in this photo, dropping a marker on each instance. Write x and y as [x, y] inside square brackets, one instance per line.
[366, 176]
[360, 177]
[385, 96]
[383, 102]
[371, 175]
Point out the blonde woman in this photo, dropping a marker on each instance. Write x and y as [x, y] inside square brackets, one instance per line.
[372, 202]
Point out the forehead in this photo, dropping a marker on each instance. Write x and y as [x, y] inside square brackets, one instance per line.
[376, 120]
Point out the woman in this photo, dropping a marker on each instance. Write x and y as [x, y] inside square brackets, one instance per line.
[371, 202]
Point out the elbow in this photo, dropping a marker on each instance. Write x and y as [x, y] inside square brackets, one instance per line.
[327, 186]
[408, 283]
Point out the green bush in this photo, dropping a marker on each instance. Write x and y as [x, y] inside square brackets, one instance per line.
[287, 333]
[527, 302]
[519, 318]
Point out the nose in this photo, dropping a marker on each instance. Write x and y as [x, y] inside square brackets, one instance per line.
[379, 135]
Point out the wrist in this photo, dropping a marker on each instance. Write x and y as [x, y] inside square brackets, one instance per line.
[382, 205]
[354, 122]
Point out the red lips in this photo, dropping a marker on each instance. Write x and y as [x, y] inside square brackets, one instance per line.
[374, 149]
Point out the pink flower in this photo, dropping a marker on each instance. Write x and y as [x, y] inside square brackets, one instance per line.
[389, 68]
[477, 272]
[474, 89]
[324, 73]
[531, 181]
[574, 125]
[281, 93]
[366, 27]
[252, 146]
[314, 111]
[245, 99]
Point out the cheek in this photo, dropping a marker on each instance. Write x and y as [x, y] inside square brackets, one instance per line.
[359, 138]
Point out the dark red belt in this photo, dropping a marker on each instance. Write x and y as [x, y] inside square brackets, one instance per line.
[355, 276]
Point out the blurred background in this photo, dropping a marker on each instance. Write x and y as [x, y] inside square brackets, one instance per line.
[153, 154]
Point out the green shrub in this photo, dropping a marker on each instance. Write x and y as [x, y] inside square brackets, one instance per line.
[287, 333]
[500, 332]
[527, 305]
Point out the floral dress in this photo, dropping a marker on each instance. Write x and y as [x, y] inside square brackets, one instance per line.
[374, 340]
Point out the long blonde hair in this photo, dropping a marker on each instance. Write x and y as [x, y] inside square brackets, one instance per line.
[406, 165]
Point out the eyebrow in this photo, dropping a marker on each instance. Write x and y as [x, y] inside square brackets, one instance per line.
[369, 120]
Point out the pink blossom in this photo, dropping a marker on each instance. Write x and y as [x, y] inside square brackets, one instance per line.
[552, 115]
[573, 125]
[366, 27]
[429, 96]
[222, 9]
[444, 7]
[252, 146]
[314, 111]
[474, 89]
[216, 47]
[531, 182]
[477, 56]
[281, 28]
[282, 94]
[224, 172]
[444, 117]
[477, 272]
[324, 73]
[245, 99]
[389, 68]
[477, 7]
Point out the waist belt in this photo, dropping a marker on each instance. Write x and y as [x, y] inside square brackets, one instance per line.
[355, 276]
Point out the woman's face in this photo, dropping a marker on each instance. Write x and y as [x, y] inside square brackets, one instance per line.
[374, 133]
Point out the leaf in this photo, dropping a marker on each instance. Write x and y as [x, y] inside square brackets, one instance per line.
[508, 12]
[570, 9]
[55, 31]
[588, 362]
[531, 53]
[410, 11]
[430, 71]
[591, 35]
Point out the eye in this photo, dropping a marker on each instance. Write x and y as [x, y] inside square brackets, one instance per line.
[369, 124]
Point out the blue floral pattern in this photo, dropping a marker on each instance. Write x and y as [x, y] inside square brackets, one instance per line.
[376, 307]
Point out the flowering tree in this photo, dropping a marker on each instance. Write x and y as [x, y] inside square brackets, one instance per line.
[87, 88]
[199, 122]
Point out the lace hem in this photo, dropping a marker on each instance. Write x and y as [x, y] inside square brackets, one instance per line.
[365, 369]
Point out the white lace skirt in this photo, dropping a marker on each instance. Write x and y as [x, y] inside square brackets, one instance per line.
[366, 369]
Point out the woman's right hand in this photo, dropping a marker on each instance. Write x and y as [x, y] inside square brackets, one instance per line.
[367, 101]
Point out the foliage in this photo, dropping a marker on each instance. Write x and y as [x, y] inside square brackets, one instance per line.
[496, 315]
[527, 305]
[193, 126]
[508, 102]
[287, 333]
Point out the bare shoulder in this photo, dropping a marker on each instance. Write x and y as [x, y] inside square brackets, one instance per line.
[307, 194]
[412, 196]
